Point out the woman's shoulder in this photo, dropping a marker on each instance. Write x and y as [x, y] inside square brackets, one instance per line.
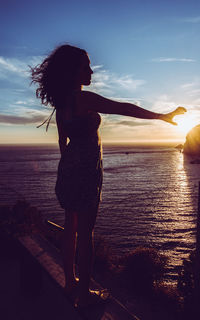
[87, 100]
[86, 94]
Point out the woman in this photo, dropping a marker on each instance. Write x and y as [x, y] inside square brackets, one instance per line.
[60, 78]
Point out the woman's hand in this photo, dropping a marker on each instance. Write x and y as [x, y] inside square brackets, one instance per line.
[168, 117]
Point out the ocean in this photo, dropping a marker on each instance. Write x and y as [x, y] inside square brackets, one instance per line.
[149, 196]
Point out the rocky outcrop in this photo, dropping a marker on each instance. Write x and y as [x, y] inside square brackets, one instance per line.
[192, 143]
[179, 147]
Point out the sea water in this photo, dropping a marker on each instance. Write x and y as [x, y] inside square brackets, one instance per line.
[149, 195]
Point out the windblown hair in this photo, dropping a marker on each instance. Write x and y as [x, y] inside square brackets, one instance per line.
[56, 75]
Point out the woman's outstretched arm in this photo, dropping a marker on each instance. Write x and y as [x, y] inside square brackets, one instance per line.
[94, 102]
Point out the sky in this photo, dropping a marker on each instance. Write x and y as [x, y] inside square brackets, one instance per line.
[144, 52]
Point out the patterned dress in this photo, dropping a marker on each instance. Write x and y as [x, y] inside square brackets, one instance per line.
[79, 177]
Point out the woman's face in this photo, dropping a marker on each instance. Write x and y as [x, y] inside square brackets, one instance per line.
[85, 72]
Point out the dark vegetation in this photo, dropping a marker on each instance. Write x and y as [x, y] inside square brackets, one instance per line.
[138, 274]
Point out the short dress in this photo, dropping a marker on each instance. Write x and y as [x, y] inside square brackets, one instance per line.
[79, 177]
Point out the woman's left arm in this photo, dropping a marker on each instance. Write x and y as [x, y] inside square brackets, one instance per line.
[62, 136]
[95, 102]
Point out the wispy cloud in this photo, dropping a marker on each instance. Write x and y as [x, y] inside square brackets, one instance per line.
[164, 104]
[12, 119]
[6, 64]
[192, 89]
[17, 67]
[163, 59]
[18, 104]
[187, 85]
[134, 123]
[24, 116]
[108, 83]
[191, 19]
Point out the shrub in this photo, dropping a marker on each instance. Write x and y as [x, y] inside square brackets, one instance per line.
[142, 268]
[20, 219]
[187, 287]
[103, 256]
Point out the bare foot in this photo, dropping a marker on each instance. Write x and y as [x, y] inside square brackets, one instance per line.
[93, 297]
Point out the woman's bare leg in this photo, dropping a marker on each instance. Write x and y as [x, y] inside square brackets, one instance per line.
[85, 249]
[69, 248]
[85, 262]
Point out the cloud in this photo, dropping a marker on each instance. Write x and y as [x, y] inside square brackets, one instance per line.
[134, 123]
[97, 67]
[118, 127]
[21, 102]
[162, 59]
[15, 90]
[191, 19]
[187, 85]
[12, 119]
[13, 66]
[16, 67]
[7, 65]
[14, 75]
[30, 116]
[164, 103]
[108, 83]
[195, 109]
[128, 82]
[192, 90]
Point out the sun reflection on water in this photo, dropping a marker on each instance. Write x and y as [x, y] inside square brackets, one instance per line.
[175, 222]
[183, 227]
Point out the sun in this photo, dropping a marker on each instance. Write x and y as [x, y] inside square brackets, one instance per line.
[185, 122]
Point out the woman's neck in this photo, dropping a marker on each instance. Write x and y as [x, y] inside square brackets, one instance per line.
[78, 87]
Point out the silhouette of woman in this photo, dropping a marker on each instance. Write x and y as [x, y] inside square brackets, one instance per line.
[60, 78]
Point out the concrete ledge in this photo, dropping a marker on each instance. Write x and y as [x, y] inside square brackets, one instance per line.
[26, 291]
[48, 258]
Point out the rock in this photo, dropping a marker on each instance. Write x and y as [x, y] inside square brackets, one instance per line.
[195, 161]
[192, 143]
[179, 147]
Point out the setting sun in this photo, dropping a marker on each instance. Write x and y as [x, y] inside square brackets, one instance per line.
[186, 122]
